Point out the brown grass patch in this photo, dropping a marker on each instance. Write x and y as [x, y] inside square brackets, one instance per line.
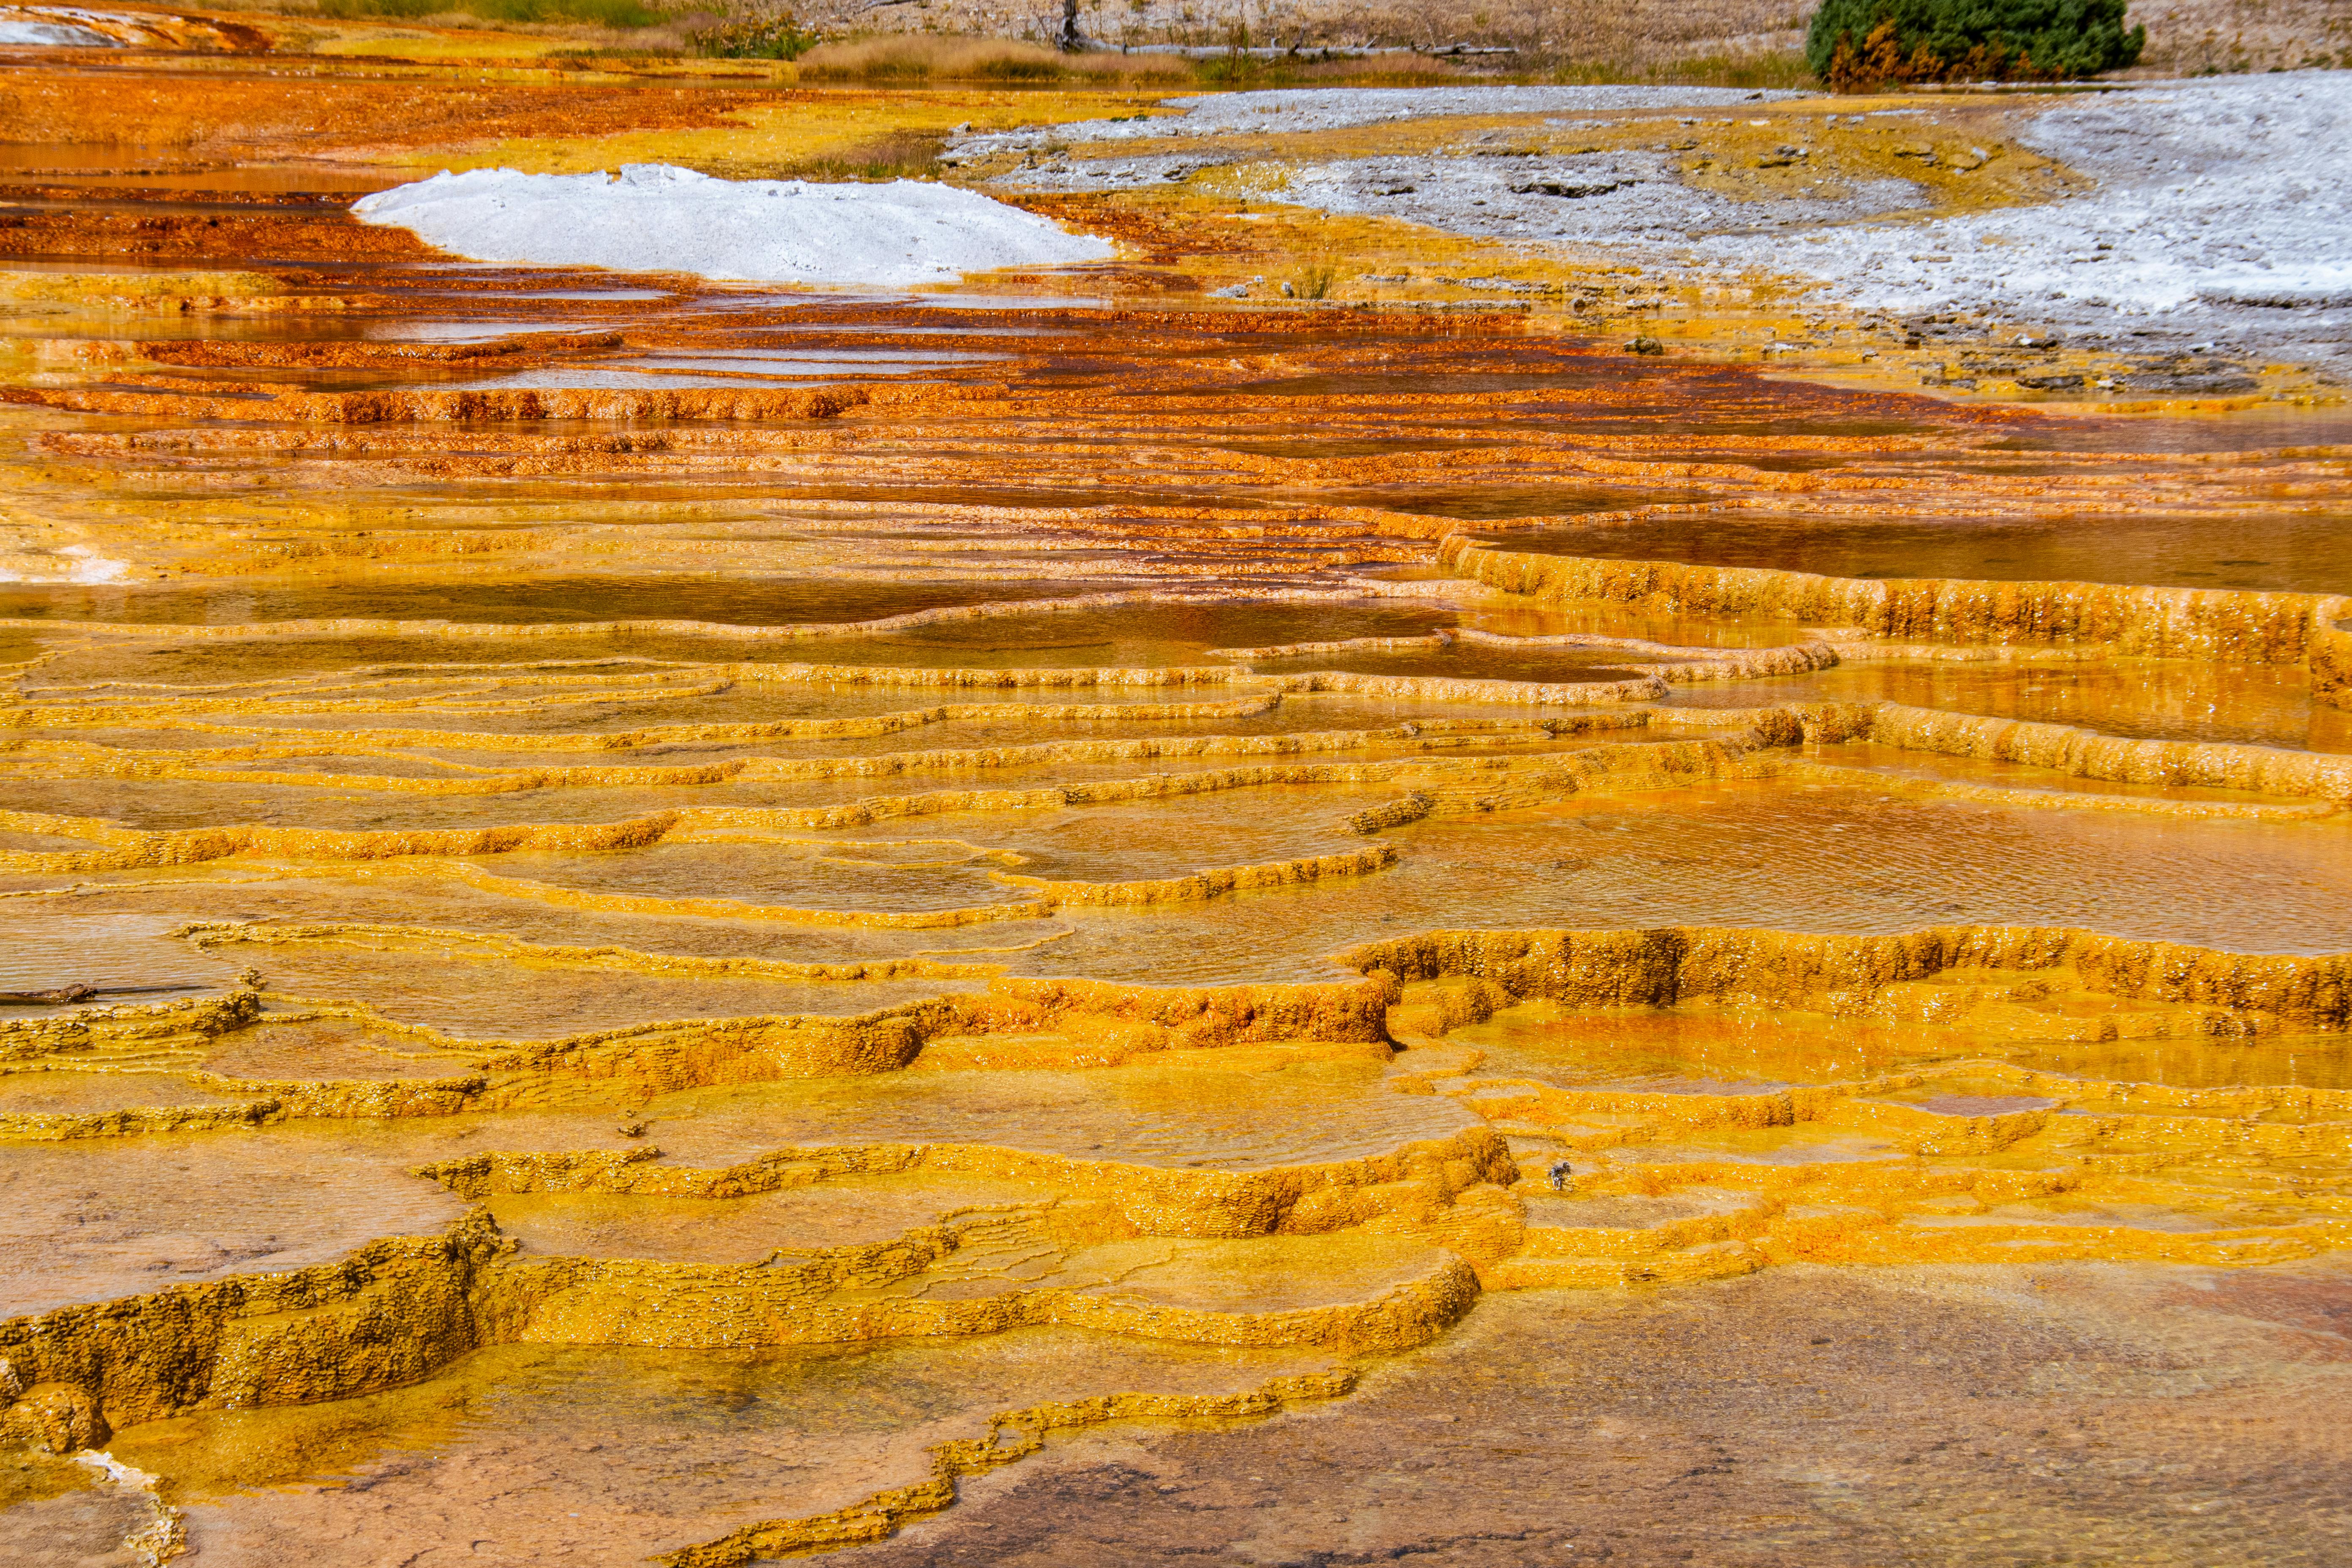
[895, 155]
[926, 57]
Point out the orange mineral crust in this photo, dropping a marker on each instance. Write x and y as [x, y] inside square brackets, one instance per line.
[1074, 918]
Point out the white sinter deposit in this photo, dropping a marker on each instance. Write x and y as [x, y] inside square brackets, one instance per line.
[2223, 208]
[1283, 111]
[652, 218]
[53, 27]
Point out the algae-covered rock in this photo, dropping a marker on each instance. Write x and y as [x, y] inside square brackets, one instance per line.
[61, 1417]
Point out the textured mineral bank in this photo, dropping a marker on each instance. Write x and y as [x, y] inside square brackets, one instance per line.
[2216, 204]
[21, 31]
[653, 218]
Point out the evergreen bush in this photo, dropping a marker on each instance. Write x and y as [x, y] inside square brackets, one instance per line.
[1858, 45]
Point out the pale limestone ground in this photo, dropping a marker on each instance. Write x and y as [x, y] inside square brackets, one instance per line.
[2208, 216]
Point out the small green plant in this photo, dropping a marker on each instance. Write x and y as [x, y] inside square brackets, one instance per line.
[1315, 282]
[777, 37]
[1234, 67]
[1864, 46]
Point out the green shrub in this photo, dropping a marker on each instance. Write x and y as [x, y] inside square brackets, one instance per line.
[778, 37]
[1857, 46]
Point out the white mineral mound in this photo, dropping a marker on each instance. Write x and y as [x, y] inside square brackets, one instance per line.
[652, 218]
[28, 30]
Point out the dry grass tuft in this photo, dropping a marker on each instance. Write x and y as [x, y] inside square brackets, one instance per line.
[1634, 40]
[898, 155]
[929, 57]
[2202, 37]
[1762, 71]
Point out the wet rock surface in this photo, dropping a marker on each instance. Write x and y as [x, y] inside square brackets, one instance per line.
[1419, 913]
[1947, 1417]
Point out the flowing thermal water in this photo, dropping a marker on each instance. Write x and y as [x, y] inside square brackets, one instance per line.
[719, 913]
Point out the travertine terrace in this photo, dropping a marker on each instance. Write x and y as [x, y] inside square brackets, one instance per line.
[1260, 903]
